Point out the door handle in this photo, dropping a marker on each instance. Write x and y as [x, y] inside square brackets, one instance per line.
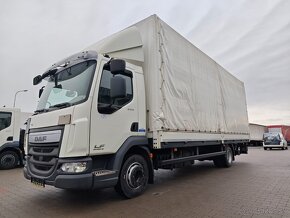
[134, 127]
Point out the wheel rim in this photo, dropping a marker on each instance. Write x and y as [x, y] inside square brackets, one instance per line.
[229, 156]
[135, 176]
[7, 161]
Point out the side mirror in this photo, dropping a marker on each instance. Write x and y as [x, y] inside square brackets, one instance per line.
[117, 66]
[40, 91]
[37, 80]
[118, 87]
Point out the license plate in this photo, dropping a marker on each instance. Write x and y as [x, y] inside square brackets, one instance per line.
[38, 182]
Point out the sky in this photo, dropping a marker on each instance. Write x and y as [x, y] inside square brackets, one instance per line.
[249, 38]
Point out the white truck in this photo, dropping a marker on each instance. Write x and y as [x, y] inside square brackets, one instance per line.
[11, 144]
[257, 134]
[142, 99]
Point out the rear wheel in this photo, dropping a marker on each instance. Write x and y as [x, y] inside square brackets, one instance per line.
[133, 179]
[265, 149]
[8, 160]
[225, 160]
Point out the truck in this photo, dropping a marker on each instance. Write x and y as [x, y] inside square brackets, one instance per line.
[139, 100]
[11, 137]
[257, 133]
[284, 129]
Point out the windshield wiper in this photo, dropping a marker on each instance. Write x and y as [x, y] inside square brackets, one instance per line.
[61, 105]
[40, 111]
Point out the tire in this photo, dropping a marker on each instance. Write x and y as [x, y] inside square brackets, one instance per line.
[8, 160]
[226, 160]
[133, 178]
[265, 149]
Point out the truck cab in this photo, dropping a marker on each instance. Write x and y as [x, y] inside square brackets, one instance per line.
[274, 140]
[90, 106]
[11, 144]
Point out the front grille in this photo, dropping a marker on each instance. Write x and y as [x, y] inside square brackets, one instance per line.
[42, 157]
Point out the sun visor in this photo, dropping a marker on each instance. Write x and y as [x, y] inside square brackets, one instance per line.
[126, 44]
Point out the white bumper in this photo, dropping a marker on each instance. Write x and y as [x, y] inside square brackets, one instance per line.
[273, 146]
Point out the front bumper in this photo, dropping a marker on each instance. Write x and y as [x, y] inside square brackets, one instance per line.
[89, 179]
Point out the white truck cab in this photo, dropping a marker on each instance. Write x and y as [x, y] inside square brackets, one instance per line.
[274, 140]
[88, 107]
[11, 152]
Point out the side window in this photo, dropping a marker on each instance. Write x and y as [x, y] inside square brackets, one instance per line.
[5, 120]
[107, 105]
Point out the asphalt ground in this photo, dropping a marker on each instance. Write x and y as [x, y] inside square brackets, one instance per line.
[257, 185]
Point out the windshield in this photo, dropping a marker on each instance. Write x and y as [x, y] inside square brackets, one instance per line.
[68, 87]
[272, 139]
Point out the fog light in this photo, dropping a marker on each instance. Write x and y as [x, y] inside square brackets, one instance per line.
[74, 167]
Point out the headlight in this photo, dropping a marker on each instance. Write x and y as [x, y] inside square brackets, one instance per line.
[74, 167]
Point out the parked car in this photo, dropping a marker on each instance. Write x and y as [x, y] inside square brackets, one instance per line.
[274, 140]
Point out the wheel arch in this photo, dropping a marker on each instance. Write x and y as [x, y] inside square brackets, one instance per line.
[133, 145]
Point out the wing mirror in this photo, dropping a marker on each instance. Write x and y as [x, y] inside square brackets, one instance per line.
[37, 80]
[117, 66]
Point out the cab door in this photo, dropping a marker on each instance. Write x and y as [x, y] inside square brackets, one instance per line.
[112, 120]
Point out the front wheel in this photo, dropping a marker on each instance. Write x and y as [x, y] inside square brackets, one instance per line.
[225, 160]
[8, 160]
[133, 179]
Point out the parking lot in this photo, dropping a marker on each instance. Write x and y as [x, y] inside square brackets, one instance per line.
[257, 185]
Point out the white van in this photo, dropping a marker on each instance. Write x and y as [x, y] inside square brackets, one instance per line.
[274, 140]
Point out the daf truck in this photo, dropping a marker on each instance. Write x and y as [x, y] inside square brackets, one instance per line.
[140, 100]
[11, 137]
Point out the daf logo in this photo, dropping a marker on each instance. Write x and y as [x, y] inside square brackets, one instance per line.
[40, 138]
[45, 137]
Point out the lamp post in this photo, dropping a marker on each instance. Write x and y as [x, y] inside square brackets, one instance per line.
[25, 90]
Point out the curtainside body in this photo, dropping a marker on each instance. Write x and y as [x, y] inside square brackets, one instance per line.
[256, 134]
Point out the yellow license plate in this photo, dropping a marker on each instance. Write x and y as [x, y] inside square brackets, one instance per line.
[38, 182]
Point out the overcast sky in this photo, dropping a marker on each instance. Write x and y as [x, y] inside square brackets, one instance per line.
[250, 38]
